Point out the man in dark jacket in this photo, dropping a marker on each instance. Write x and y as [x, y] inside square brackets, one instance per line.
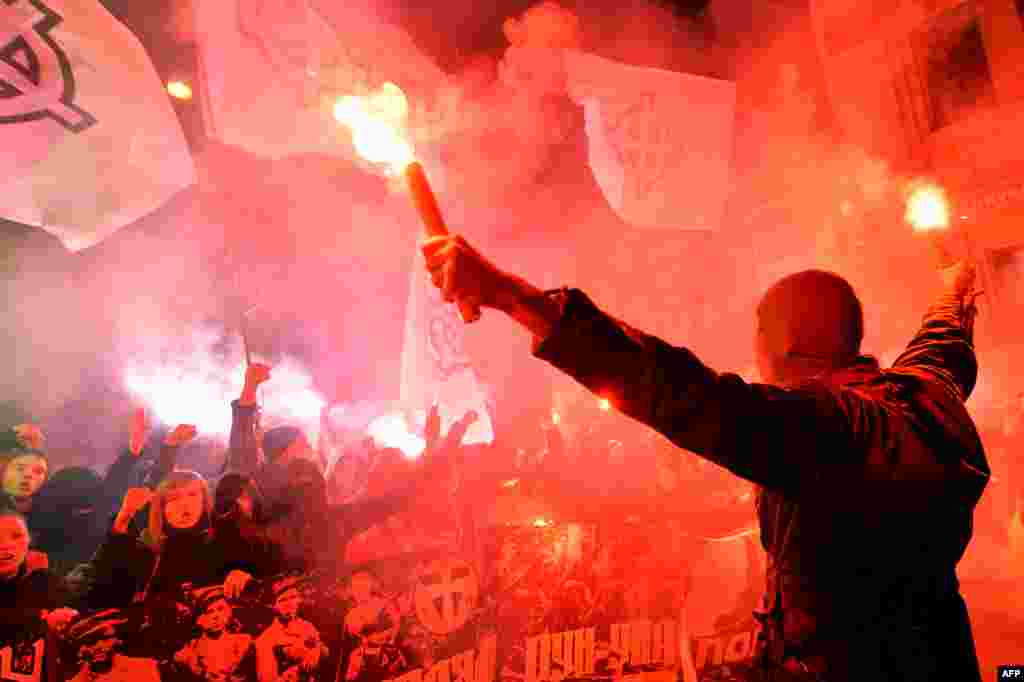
[867, 478]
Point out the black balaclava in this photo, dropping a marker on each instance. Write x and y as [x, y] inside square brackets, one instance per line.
[811, 321]
[65, 518]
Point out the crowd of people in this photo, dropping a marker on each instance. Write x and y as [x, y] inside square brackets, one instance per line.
[78, 551]
[75, 546]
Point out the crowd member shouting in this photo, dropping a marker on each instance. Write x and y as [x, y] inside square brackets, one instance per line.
[25, 465]
[71, 513]
[31, 599]
[866, 479]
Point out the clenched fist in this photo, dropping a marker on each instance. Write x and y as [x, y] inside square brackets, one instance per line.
[958, 279]
[30, 435]
[181, 434]
[139, 428]
[134, 500]
[463, 275]
[256, 374]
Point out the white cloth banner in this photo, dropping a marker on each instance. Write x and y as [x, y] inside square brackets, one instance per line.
[660, 142]
[435, 365]
[271, 70]
[90, 139]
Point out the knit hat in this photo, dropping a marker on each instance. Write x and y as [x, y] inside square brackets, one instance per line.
[278, 439]
[812, 315]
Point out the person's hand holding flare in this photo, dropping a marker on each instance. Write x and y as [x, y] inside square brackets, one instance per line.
[462, 273]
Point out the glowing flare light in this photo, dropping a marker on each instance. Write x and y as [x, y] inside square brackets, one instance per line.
[928, 209]
[377, 124]
[179, 90]
[198, 390]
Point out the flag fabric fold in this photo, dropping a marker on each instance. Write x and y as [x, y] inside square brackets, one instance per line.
[660, 142]
[91, 140]
[271, 71]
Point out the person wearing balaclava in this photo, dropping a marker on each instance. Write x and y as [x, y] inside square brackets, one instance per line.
[72, 511]
[866, 479]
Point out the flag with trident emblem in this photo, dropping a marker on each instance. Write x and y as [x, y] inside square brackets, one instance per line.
[91, 142]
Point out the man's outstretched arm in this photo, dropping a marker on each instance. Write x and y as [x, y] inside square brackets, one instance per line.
[764, 434]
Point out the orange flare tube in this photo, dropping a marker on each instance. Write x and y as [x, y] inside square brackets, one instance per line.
[430, 213]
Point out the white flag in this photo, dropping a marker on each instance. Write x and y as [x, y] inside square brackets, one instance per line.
[435, 365]
[660, 142]
[90, 139]
[272, 70]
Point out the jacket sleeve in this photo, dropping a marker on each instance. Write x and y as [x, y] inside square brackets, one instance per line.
[763, 434]
[124, 473]
[245, 454]
[164, 464]
[120, 568]
[943, 348]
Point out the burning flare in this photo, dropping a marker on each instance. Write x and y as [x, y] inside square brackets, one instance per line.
[377, 123]
[928, 209]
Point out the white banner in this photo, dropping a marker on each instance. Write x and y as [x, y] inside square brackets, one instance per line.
[272, 70]
[435, 365]
[660, 142]
[91, 142]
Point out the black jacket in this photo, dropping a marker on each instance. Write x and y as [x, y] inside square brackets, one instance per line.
[69, 522]
[867, 484]
[126, 568]
[23, 599]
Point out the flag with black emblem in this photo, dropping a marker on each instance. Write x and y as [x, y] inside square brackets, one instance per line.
[91, 142]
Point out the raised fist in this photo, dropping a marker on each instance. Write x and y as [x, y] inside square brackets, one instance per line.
[139, 428]
[30, 435]
[134, 500]
[181, 434]
[256, 374]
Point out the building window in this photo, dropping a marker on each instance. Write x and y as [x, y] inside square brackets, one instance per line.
[957, 75]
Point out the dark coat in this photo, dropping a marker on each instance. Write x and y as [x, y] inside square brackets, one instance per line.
[23, 599]
[71, 512]
[126, 568]
[867, 484]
